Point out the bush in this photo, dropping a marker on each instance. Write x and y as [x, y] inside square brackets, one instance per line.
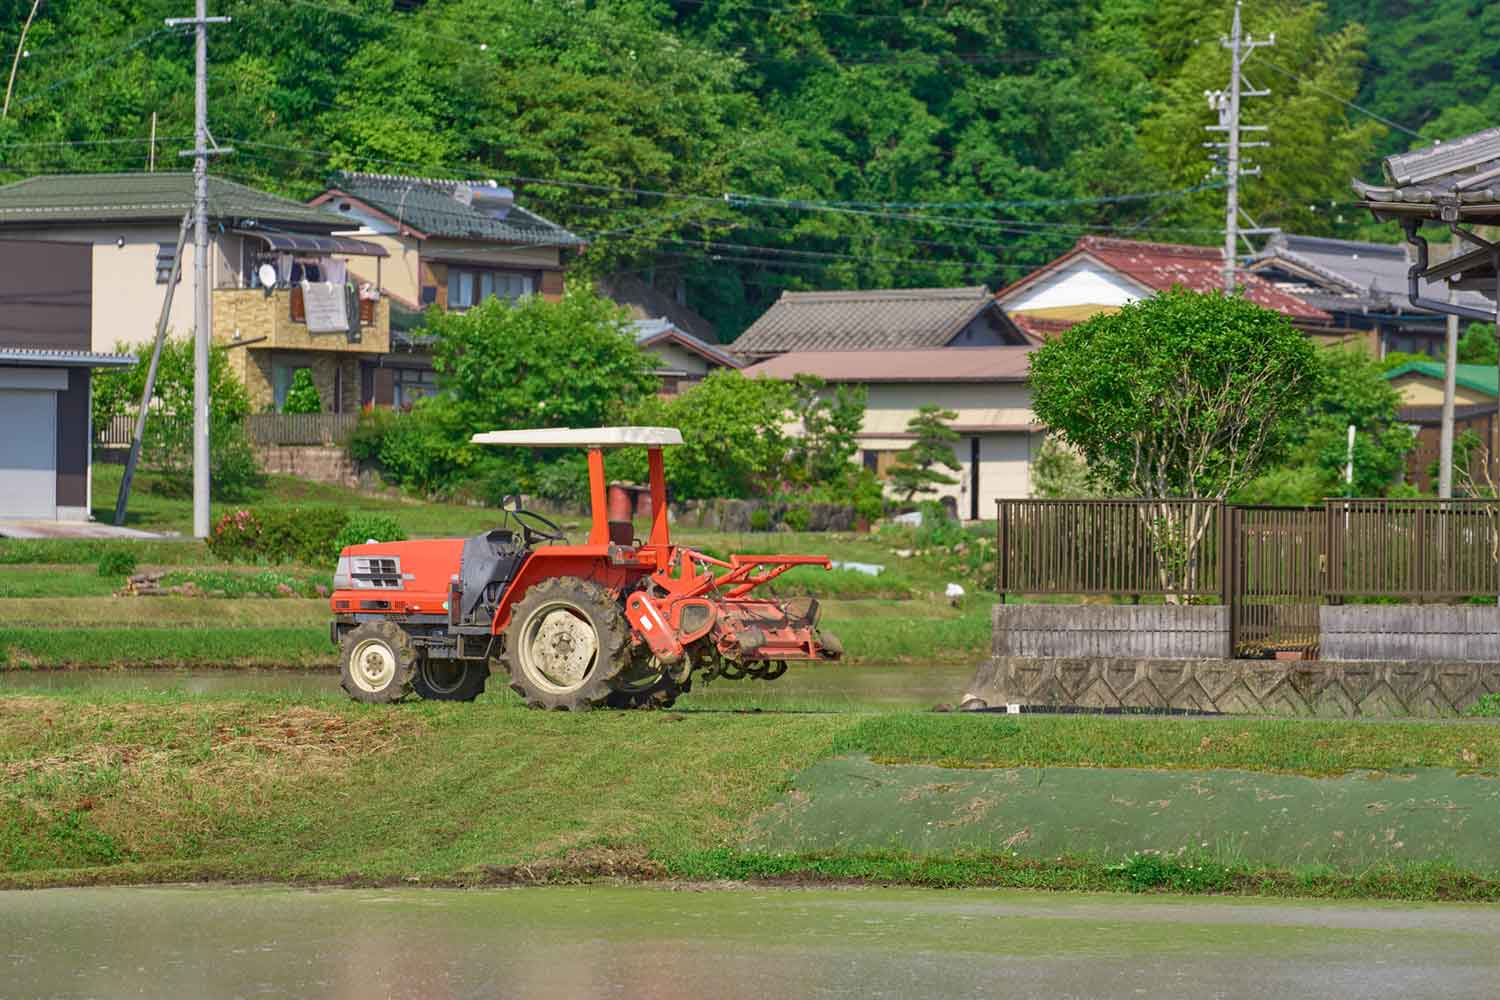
[302, 395]
[117, 562]
[363, 528]
[760, 519]
[236, 537]
[369, 433]
[279, 534]
[797, 517]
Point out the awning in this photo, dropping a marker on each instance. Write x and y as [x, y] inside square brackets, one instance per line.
[308, 243]
[40, 358]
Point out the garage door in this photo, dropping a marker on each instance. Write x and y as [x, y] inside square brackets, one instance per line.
[28, 453]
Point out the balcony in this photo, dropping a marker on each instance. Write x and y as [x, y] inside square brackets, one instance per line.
[277, 318]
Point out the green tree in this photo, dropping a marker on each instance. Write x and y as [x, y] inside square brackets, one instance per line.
[1477, 345]
[1353, 391]
[168, 446]
[1184, 394]
[734, 442]
[916, 470]
[828, 434]
[302, 395]
[535, 363]
[1059, 473]
[1318, 142]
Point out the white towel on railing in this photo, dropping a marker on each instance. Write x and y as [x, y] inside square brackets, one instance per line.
[325, 306]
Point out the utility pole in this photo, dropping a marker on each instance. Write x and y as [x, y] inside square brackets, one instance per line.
[20, 53]
[202, 314]
[1450, 390]
[151, 152]
[1227, 104]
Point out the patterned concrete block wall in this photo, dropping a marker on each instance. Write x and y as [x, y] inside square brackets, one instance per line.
[1410, 632]
[1160, 631]
[1252, 687]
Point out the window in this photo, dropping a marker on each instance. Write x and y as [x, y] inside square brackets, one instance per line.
[166, 256]
[468, 287]
[879, 461]
[411, 384]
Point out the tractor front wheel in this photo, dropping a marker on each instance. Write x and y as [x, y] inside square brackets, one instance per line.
[450, 680]
[377, 662]
[566, 641]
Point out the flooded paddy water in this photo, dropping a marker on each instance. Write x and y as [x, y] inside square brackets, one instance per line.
[616, 941]
[820, 687]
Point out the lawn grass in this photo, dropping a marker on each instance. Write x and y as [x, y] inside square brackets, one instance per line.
[143, 787]
[150, 511]
[175, 646]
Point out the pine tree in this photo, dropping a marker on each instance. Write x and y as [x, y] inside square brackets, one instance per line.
[915, 470]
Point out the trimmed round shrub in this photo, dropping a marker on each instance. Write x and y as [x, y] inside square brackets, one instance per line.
[363, 528]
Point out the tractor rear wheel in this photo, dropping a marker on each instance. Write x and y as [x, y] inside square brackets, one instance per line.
[566, 641]
[377, 662]
[450, 680]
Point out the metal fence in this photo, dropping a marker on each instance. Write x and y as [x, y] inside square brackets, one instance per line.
[300, 428]
[116, 433]
[1415, 549]
[1111, 547]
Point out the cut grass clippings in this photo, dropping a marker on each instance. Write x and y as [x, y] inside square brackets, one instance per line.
[139, 788]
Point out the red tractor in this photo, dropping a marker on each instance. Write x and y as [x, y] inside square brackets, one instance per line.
[615, 621]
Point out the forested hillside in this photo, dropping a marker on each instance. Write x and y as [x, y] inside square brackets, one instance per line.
[746, 147]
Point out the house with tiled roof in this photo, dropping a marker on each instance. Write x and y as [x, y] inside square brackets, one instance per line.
[1363, 286]
[1101, 274]
[908, 348]
[879, 319]
[451, 244]
[683, 360]
[281, 298]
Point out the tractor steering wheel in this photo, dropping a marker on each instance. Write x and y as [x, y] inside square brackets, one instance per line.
[530, 532]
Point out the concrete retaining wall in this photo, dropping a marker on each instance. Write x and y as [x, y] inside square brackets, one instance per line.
[1156, 631]
[320, 463]
[1410, 632]
[1255, 687]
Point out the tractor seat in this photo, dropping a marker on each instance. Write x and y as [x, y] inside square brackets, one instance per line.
[487, 564]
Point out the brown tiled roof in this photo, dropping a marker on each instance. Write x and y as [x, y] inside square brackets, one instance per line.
[1160, 266]
[902, 318]
[935, 364]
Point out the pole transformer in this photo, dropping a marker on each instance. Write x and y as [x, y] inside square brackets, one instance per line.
[1227, 104]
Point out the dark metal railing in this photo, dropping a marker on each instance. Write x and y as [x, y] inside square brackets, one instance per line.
[1130, 547]
[1414, 549]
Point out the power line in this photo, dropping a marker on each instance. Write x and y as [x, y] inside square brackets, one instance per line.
[103, 61]
[1348, 104]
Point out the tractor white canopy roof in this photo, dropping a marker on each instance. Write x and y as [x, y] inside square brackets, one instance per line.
[583, 437]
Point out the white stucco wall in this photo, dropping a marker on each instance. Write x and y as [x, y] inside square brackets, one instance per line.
[890, 405]
[1004, 456]
[1081, 282]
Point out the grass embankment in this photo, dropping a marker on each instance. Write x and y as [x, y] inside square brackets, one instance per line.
[164, 787]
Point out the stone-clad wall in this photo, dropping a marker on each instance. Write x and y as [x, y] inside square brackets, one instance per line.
[1254, 687]
[1159, 631]
[1410, 632]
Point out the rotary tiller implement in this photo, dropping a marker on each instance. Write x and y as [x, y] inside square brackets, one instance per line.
[615, 621]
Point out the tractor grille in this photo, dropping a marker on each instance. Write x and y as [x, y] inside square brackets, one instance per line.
[376, 572]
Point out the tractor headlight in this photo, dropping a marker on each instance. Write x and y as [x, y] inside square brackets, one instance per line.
[341, 577]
